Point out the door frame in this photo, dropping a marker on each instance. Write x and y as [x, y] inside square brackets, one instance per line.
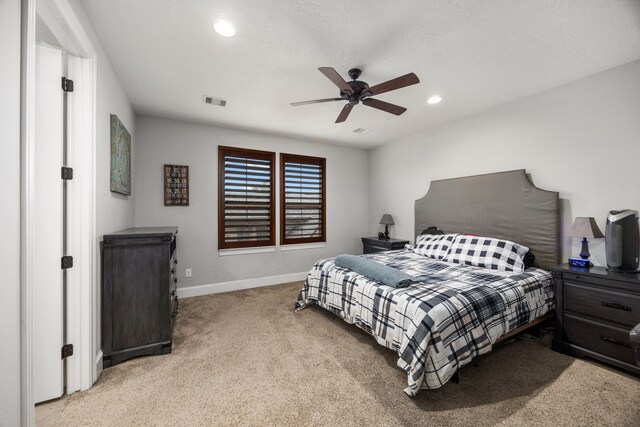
[82, 312]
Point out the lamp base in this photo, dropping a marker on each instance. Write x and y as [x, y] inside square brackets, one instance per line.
[584, 254]
[386, 232]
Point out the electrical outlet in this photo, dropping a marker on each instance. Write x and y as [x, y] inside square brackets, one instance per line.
[187, 272]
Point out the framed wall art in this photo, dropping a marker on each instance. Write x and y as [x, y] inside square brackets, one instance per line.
[176, 185]
[120, 157]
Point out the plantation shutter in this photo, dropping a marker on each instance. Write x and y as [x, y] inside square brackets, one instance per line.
[246, 198]
[302, 199]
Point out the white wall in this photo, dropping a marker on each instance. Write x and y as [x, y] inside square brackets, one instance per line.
[10, 213]
[113, 211]
[161, 141]
[581, 139]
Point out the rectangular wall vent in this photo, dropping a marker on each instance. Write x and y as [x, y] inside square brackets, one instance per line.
[361, 130]
[214, 101]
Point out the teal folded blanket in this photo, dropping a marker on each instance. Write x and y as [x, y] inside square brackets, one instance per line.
[375, 271]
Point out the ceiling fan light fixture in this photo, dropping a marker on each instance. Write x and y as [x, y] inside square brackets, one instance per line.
[434, 99]
[224, 28]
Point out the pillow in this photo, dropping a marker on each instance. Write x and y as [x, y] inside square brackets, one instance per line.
[487, 252]
[529, 259]
[434, 246]
[432, 230]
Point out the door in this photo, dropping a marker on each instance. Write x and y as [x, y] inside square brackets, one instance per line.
[48, 225]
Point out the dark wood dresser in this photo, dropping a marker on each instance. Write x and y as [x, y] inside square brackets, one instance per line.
[595, 311]
[372, 245]
[139, 300]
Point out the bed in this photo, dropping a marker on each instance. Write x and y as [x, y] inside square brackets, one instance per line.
[455, 312]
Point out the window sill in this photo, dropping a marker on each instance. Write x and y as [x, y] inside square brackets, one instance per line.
[246, 251]
[301, 246]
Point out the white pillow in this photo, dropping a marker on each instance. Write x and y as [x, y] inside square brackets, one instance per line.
[487, 252]
[434, 246]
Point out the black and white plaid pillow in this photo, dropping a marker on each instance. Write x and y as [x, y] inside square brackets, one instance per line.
[434, 246]
[487, 252]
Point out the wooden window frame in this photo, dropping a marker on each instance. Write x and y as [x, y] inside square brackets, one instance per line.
[321, 161]
[259, 155]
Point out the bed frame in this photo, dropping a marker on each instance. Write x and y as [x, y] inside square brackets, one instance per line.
[504, 205]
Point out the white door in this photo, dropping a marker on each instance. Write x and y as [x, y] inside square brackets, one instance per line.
[49, 227]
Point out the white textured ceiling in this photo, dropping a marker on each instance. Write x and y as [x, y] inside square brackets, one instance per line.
[475, 54]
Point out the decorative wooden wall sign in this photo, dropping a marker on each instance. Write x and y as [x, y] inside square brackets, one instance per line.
[176, 185]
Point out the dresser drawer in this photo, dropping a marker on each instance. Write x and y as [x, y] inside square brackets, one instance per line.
[608, 305]
[605, 339]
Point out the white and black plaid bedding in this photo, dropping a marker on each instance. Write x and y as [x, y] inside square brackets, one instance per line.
[456, 313]
[434, 246]
[487, 252]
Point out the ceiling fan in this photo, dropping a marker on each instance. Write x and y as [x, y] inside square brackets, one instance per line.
[357, 91]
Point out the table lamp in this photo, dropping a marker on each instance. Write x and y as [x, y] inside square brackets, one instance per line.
[585, 227]
[387, 220]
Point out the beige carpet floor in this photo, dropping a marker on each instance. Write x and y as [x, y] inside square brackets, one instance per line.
[246, 358]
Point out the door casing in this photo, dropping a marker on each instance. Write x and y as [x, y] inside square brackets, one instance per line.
[82, 311]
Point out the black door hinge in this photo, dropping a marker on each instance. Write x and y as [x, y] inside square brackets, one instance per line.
[66, 173]
[67, 350]
[66, 262]
[67, 85]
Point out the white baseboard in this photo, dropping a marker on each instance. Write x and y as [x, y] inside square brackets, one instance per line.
[235, 285]
[98, 367]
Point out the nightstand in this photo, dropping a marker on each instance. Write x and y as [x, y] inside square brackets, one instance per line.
[595, 311]
[372, 245]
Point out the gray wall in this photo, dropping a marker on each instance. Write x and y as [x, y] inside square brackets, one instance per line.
[113, 211]
[10, 212]
[581, 139]
[161, 141]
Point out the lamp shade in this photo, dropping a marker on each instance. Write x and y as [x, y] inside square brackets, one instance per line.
[585, 227]
[386, 220]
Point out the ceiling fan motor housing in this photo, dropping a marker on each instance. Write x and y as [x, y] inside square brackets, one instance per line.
[359, 88]
[359, 92]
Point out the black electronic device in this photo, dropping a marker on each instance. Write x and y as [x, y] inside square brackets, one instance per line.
[622, 242]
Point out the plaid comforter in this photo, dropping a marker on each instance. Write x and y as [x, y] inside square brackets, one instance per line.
[437, 326]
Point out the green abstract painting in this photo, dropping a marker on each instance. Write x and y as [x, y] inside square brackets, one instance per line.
[120, 157]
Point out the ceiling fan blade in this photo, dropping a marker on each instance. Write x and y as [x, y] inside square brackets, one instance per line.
[337, 80]
[393, 84]
[384, 106]
[344, 113]
[316, 101]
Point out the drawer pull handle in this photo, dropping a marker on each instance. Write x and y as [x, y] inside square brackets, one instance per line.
[175, 313]
[616, 305]
[612, 341]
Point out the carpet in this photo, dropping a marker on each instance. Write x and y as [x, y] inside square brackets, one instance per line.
[246, 358]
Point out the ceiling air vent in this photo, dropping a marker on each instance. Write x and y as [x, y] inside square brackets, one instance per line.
[214, 101]
[361, 130]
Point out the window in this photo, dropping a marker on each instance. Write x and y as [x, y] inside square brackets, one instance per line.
[302, 199]
[246, 198]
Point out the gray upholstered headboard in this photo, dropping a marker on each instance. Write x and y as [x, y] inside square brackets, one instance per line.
[505, 205]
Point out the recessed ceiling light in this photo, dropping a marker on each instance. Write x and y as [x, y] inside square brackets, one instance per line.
[434, 99]
[224, 28]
